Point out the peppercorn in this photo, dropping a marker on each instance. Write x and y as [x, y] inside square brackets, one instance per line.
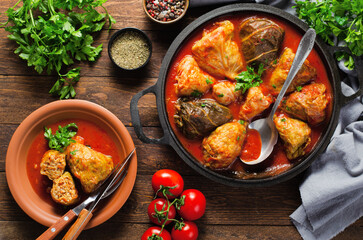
[165, 10]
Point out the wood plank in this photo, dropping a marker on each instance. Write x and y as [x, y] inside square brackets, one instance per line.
[109, 92]
[150, 156]
[161, 37]
[11, 64]
[110, 231]
[130, 13]
[225, 205]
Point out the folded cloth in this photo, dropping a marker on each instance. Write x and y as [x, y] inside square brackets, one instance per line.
[332, 192]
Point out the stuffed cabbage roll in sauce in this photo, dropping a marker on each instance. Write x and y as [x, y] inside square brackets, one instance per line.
[224, 145]
[217, 53]
[309, 104]
[294, 133]
[89, 166]
[198, 118]
[53, 164]
[260, 40]
[256, 102]
[191, 80]
[224, 92]
[64, 190]
[306, 73]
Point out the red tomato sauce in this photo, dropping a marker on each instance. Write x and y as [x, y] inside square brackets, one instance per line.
[278, 161]
[94, 136]
[251, 149]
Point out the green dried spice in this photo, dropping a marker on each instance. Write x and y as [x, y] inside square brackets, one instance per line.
[130, 50]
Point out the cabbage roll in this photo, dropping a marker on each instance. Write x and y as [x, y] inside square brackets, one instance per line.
[198, 118]
[260, 40]
[191, 80]
[217, 53]
[89, 166]
[309, 104]
[224, 145]
[294, 133]
[306, 73]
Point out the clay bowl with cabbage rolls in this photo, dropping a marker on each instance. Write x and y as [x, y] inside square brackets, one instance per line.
[48, 182]
[225, 70]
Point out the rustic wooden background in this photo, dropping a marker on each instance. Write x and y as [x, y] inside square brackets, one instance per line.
[232, 213]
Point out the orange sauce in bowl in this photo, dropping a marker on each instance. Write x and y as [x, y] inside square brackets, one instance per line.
[94, 136]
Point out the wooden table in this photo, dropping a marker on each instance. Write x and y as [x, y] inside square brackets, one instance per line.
[232, 213]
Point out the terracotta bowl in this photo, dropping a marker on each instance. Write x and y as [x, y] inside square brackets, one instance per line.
[16, 172]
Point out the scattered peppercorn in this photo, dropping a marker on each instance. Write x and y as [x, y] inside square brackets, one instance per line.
[165, 10]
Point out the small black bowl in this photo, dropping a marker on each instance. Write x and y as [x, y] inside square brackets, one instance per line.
[115, 36]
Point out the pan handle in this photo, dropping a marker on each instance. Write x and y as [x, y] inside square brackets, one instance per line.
[358, 61]
[135, 118]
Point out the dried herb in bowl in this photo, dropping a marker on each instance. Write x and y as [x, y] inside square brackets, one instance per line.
[130, 49]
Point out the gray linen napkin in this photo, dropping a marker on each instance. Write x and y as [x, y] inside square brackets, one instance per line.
[332, 191]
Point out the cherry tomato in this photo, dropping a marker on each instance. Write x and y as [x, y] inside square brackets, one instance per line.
[148, 234]
[194, 205]
[188, 232]
[161, 205]
[170, 179]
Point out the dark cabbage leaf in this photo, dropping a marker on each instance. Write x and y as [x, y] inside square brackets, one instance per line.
[260, 40]
[197, 118]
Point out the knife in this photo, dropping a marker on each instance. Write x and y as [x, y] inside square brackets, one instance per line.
[107, 188]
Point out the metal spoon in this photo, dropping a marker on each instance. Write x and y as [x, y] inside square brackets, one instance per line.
[266, 126]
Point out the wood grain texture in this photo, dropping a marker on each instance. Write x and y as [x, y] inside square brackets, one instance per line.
[133, 231]
[232, 213]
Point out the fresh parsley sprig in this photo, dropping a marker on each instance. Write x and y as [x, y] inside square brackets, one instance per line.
[62, 137]
[248, 79]
[50, 35]
[340, 18]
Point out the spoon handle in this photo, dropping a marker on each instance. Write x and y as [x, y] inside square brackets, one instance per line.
[305, 46]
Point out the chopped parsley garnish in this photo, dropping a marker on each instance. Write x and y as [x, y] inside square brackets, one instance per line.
[283, 119]
[288, 109]
[274, 86]
[248, 79]
[241, 122]
[202, 104]
[62, 137]
[238, 138]
[208, 81]
[74, 151]
[298, 88]
[220, 95]
[275, 61]
[196, 94]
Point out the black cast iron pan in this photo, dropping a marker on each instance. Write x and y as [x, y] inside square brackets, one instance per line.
[169, 138]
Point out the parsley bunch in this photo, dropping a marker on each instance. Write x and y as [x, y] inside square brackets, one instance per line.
[62, 137]
[248, 79]
[50, 35]
[340, 18]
